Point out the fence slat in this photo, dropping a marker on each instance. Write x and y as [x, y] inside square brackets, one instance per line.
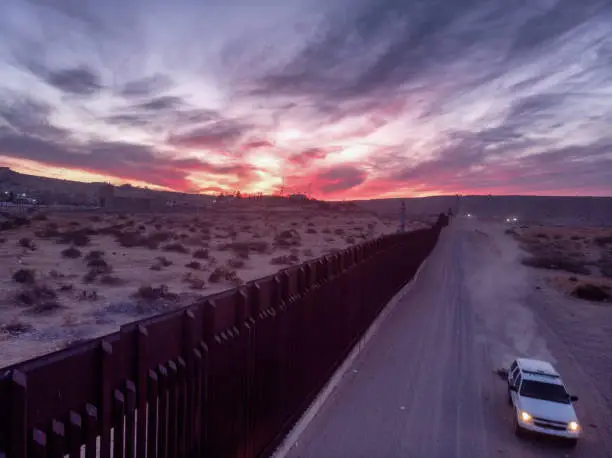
[118, 423]
[91, 431]
[130, 419]
[58, 440]
[75, 434]
[39, 444]
[162, 431]
[152, 419]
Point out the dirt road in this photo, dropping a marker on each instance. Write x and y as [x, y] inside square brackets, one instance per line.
[425, 385]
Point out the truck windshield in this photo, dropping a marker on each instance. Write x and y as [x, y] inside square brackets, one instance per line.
[545, 391]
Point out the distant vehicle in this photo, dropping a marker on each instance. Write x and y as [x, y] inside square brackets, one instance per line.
[540, 400]
[511, 219]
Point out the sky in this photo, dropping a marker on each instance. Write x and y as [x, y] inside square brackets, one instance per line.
[339, 99]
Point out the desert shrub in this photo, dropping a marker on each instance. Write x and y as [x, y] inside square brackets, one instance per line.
[158, 226]
[78, 238]
[241, 249]
[223, 273]
[557, 263]
[163, 261]
[39, 217]
[201, 254]
[2, 240]
[603, 241]
[19, 221]
[156, 267]
[17, 328]
[310, 230]
[150, 293]
[66, 287]
[112, 280]
[26, 242]
[160, 236]
[311, 224]
[329, 239]
[236, 263]
[142, 227]
[71, 253]
[26, 276]
[95, 219]
[195, 265]
[308, 252]
[176, 247]
[94, 254]
[591, 293]
[35, 294]
[99, 265]
[541, 236]
[288, 238]
[326, 231]
[131, 239]
[285, 260]
[90, 276]
[350, 240]
[45, 308]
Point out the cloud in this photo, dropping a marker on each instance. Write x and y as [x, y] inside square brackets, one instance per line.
[305, 157]
[216, 135]
[340, 178]
[147, 86]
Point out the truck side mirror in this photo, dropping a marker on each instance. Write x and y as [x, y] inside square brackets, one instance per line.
[573, 398]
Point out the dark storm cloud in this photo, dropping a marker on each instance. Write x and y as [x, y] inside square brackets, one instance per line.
[305, 157]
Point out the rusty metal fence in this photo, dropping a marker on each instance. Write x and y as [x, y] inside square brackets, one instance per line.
[226, 377]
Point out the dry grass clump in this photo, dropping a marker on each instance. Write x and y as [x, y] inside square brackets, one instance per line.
[150, 293]
[16, 328]
[45, 308]
[35, 294]
[194, 282]
[79, 237]
[236, 263]
[176, 247]
[94, 254]
[71, 253]
[603, 241]
[285, 260]
[224, 273]
[201, 254]
[195, 265]
[27, 243]
[26, 276]
[592, 293]
[288, 238]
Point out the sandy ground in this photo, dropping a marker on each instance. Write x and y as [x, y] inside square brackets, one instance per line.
[425, 386]
[569, 257]
[74, 298]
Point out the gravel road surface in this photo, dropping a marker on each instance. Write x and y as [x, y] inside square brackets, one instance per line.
[425, 385]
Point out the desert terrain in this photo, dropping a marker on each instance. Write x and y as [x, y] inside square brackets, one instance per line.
[66, 277]
[574, 260]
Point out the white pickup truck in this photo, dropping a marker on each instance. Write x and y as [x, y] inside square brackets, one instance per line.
[540, 400]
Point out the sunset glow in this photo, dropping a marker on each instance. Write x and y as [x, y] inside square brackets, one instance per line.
[339, 99]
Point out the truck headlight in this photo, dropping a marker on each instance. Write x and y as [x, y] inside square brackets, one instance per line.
[526, 417]
[573, 426]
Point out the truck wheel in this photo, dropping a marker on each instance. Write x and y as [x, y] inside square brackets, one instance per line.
[509, 397]
[517, 428]
[571, 443]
